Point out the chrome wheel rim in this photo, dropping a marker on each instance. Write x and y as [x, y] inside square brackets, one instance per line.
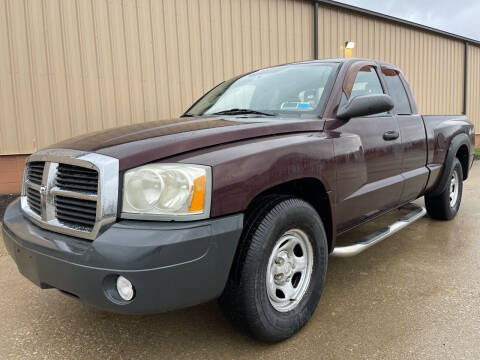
[289, 270]
[454, 189]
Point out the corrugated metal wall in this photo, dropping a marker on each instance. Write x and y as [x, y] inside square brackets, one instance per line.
[432, 64]
[473, 89]
[74, 66]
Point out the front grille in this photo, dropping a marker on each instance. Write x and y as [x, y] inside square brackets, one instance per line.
[34, 201]
[70, 191]
[35, 171]
[76, 178]
[76, 212]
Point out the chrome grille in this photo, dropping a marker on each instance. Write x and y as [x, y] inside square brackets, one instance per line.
[75, 192]
[77, 178]
[35, 171]
[75, 212]
[33, 200]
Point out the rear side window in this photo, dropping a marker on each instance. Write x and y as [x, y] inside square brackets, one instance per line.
[366, 82]
[398, 93]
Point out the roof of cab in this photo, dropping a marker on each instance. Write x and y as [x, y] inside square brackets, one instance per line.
[344, 60]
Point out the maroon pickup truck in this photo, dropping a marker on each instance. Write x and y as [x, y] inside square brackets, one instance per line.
[241, 198]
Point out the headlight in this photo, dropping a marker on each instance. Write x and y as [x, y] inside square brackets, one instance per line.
[167, 192]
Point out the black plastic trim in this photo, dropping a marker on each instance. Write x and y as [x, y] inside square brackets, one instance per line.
[457, 141]
[171, 265]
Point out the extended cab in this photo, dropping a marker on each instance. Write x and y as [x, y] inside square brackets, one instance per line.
[241, 198]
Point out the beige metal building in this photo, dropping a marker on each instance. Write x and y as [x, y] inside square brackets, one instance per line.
[74, 66]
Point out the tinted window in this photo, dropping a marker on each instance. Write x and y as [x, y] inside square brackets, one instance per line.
[398, 93]
[366, 83]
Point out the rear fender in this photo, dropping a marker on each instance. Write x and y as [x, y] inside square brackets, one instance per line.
[457, 141]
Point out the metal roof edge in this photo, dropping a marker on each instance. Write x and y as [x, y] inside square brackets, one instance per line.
[393, 19]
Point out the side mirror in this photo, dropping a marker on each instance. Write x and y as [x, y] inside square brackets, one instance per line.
[364, 105]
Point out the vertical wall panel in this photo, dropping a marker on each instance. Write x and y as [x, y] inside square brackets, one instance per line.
[120, 66]
[256, 38]
[57, 73]
[87, 41]
[473, 90]
[103, 51]
[264, 34]
[227, 36]
[42, 105]
[163, 73]
[208, 48]
[21, 87]
[147, 60]
[9, 140]
[134, 62]
[216, 26]
[73, 66]
[184, 59]
[196, 49]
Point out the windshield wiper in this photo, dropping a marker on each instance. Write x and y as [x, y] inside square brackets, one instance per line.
[242, 111]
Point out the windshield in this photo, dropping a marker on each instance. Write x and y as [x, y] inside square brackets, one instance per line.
[292, 89]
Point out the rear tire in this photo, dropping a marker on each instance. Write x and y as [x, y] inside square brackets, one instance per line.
[279, 270]
[445, 205]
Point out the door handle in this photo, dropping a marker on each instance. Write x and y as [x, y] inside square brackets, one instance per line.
[391, 135]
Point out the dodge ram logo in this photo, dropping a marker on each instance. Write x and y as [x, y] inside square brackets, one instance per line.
[43, 190]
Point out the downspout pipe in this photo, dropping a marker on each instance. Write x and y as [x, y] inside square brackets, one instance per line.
[465, 77]
[315, 30]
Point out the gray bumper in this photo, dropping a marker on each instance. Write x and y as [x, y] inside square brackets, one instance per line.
[171, 265]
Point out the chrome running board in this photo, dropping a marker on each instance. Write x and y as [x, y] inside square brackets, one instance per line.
[417, 212]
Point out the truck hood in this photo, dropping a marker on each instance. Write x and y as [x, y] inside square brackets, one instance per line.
[138, 144]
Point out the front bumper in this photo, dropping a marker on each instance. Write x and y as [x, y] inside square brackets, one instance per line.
[171, 265]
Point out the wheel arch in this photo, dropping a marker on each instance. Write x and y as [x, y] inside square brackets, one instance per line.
[311, 190]
[459, 148]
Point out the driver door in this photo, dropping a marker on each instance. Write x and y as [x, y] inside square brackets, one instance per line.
[368, 155]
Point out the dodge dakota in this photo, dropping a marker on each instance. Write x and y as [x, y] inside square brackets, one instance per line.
[241, 198]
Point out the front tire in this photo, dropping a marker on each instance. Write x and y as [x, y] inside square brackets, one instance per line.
[279, 271]
[445, 205]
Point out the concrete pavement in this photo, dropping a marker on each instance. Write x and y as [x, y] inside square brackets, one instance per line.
[414, 296]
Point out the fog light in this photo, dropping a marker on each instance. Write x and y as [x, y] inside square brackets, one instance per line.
[125, 288]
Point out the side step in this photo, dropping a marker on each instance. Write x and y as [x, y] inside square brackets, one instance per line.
[417, 212]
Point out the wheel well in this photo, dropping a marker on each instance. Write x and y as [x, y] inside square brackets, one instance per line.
[310, 190]
[463, 155]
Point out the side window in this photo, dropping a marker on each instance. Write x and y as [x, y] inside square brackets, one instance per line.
[398, 93]
[366, 82]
